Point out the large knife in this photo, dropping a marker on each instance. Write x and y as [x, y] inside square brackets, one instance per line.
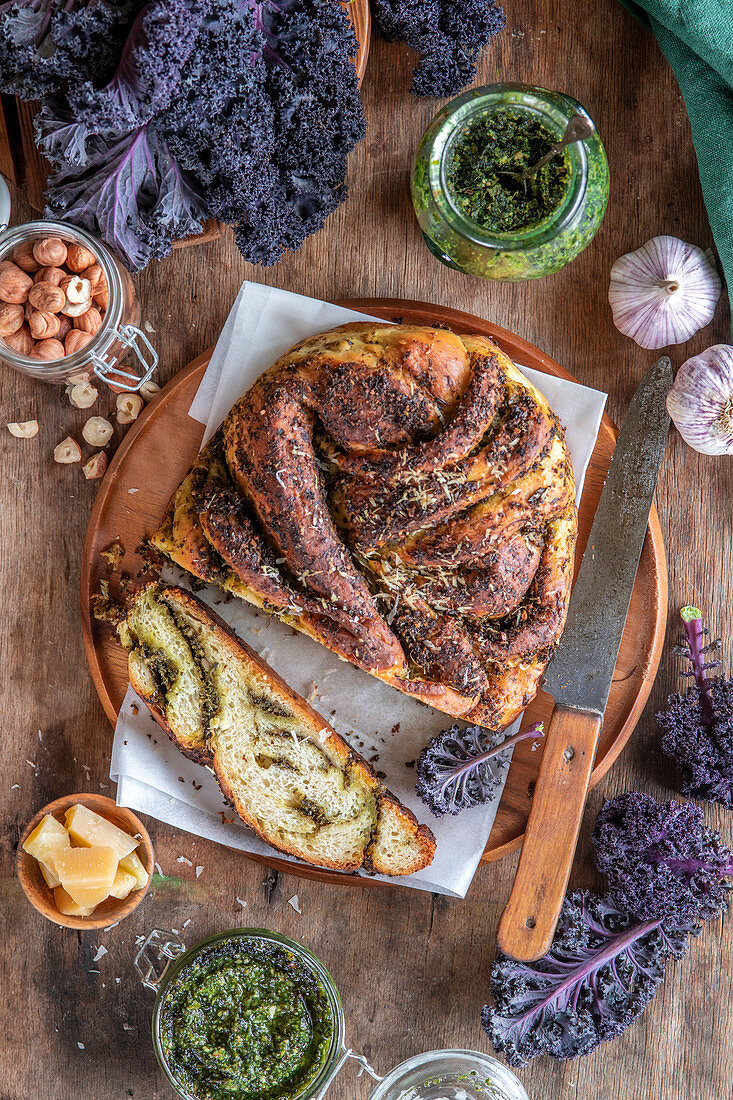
[579, 676]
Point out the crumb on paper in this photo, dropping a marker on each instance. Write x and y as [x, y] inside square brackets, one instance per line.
[186, 923]
[182, 859]
[40, 736]
[108, 928]
[224, 819]
[198, 871]
[133, 490]
[15, 787]
[295, 903]
[101, 950]
[242, 903]
[30, 762]
[157, 868]
[81, 1046]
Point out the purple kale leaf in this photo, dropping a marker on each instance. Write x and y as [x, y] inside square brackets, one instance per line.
[455, 770]
[148, 71]
[660, 859]
[133, 194]
[602, 970]
[45, 44]
[283, 112]
[447, 33]
[698, 724]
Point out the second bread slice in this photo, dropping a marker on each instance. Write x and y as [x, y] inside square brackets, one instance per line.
[290, 776]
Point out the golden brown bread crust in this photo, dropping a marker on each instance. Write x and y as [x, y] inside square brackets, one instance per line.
[404, 495]
[419, 842]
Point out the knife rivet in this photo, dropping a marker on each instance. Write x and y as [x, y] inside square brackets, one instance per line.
[530, 922]
[568, 754]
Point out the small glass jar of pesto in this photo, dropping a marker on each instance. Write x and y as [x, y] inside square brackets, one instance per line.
[475, 215]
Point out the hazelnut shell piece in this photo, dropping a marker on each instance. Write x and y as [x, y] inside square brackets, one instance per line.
[97, 431]
[67, 451]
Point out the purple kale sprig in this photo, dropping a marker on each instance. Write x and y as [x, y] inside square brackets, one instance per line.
[455, 770]
[666, 873]
[448, 35]
[698, 723]
[602, 970]
[660, 859]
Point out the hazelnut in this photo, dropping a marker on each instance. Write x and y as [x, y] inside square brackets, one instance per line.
[97, 431]
[96, 466]
[52, 275]
[14, 285]
[43, 325]
[128, 407]
[24, 429]
[24, 258]
[64, 327]
[76, 289]
[75, 340]
[90, 322]
[148, 390]
[83, 395]
[47, 297]
[48, 349]
[95, 275]
[11, 318]
[50, 252]
[101, 298]
[21, 341]
[67, 451]
[76, 309]
[78, 257]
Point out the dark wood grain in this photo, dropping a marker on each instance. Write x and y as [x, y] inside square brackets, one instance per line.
[116, 516]
[413, 969]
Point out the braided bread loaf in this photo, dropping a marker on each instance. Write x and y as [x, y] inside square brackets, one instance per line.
[402, 494]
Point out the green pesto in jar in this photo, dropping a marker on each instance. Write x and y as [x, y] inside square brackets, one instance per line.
[245, 1020]
[493, 145]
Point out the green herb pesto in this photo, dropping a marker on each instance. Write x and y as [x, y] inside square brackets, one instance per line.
[245, 1020]
[497, 143]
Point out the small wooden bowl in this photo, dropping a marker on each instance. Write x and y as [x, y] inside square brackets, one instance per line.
[38, 892]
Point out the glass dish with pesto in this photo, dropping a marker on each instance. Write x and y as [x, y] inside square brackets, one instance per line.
[475, 216]
[247, 1015]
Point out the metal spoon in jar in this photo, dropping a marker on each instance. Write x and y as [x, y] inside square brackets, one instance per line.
[578, 128]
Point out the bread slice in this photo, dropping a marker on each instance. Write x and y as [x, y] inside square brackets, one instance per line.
[289, 775]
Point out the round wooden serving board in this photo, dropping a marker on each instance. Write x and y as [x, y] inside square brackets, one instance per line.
[157, 453]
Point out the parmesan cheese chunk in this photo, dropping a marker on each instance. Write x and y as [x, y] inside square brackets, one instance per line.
[133, 865]
[124, 882]
[66, 904]
[47, 841]
[88, 830]
[87, 874]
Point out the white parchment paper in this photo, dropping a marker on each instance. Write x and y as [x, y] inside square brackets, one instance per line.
[388, 728]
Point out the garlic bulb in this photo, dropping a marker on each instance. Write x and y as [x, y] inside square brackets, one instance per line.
[664, 292]
[701, 401]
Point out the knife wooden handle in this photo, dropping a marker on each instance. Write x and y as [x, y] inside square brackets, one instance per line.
[528, 923]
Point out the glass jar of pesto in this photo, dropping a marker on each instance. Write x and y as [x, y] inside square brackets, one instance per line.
[250, 1014]
[475, 216]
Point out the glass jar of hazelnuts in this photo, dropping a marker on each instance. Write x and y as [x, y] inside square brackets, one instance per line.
[68, 308]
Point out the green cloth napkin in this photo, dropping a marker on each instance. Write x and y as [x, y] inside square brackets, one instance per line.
[696, 37]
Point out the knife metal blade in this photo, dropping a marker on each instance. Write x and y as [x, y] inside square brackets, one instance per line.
[582, 668]
[579, 677]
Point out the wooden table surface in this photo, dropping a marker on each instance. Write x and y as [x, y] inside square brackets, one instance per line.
[412, 968]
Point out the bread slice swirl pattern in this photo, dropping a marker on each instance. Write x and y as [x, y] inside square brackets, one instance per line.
[289, 775]
[405, 496]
